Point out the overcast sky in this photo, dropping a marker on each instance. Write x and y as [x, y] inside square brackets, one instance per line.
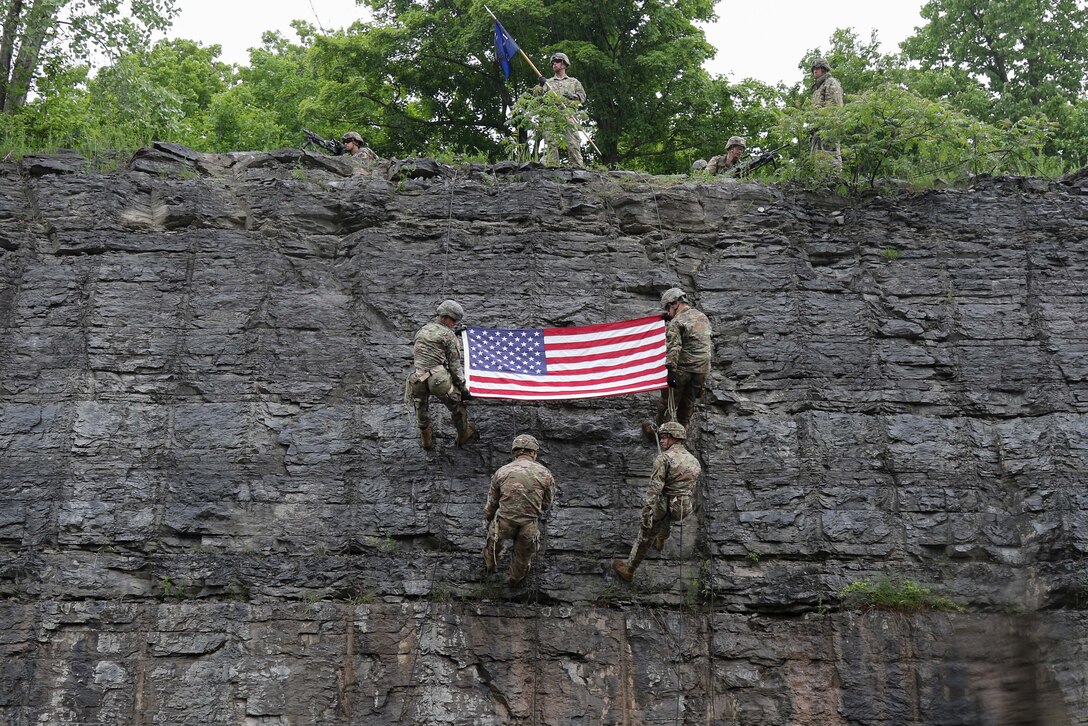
[763, 40]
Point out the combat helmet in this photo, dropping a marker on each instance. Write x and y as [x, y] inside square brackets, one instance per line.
[450, 309]
[673, 294]
[735, 141]
[560, 56]
[821, 63]
[525, 441]
[673, 429]
[352, 136]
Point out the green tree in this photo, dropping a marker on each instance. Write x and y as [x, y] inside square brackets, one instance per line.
[1028, 51]
[161, 93]
[642, 66]
[858, 65]
[425, 73]
[750, 109]
[189, 70]
[49, 34]
[890, 131]
[1025, 56]
[60, 116]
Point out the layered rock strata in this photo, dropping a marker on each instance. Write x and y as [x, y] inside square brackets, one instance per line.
[215, 509]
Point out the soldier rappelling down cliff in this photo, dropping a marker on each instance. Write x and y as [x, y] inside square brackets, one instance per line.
[437, 357]
[521, 492]
[688, 350]
[668, 500]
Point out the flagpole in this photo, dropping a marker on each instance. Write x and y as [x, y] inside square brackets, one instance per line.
[532, 65]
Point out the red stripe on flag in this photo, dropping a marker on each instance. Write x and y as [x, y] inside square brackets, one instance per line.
[612, 340]
[608, 355]
[603, 327]
[492, 379]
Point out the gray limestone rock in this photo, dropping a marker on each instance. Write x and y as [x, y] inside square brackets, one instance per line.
[215, 507]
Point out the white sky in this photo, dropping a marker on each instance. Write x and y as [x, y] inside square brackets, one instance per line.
[763, 40]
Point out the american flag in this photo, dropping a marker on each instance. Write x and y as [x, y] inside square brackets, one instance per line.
[551, 364]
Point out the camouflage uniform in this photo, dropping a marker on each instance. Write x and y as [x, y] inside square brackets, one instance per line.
[437, 356]
[719, 164]
[688, 351]
[571, 90]
[520, 493]
[669, 498]
[722, 163]
[365, 153]
[826, 91]
[362, 151]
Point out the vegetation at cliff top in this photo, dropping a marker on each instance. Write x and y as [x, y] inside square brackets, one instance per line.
[982, 87]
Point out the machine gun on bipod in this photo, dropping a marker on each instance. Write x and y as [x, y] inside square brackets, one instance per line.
[753, 162]
[315, 141]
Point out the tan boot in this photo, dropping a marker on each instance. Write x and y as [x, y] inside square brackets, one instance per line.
[467, 435]
[426, 438]
[624, 570]
[659, 543]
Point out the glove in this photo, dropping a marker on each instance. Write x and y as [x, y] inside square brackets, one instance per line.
[465, 395]
[666, 317]
[672, 379]
[540, 81]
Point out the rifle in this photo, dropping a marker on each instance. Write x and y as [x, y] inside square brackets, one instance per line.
[752, 163]
[313, 140]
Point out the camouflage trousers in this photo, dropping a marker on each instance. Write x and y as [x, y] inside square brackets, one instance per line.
[658, 516]
[526, 543]
[830, 149]
[688, 390]
[574, 147]
[436, 382]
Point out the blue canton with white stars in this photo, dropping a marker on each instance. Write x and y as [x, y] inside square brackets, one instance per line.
[507, 350]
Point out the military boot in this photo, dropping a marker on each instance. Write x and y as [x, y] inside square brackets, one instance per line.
[426, 438]
[624, 570]
[659, 542]
[467, 434]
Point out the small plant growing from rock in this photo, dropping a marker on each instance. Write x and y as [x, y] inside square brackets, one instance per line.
[366, 597]
[890, 253]
[894, 594]
[167, 587]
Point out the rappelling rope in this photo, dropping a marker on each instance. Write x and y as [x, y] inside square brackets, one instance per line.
[660, 229]
[447, 495]
[680, 636]
[450, 186]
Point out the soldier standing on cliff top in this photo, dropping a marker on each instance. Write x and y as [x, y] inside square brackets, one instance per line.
[520, 493]
[668, 498]
[826, 91]
[570, 89]
[437, 357]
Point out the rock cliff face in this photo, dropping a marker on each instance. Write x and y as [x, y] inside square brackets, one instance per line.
[215, 509]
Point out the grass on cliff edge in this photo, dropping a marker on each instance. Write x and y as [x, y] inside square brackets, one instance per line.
[894, 594]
